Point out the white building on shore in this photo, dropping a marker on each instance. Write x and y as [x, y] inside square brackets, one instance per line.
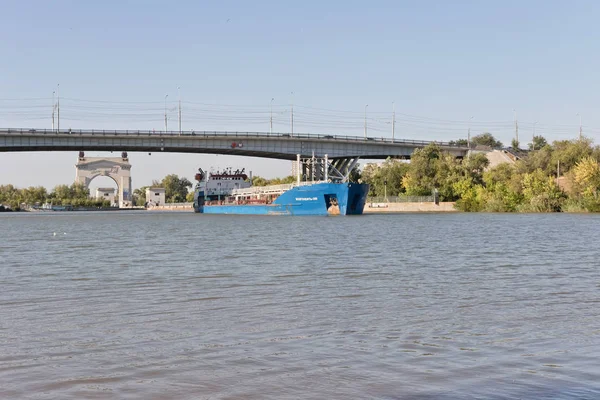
[155, 196]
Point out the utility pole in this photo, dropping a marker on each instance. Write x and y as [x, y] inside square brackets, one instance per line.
[366, 105]
[271, 119]
[393, 120]
[166, 95]
[516, 127]
[179, 96]
[292, 115]
[580, 127]
[53, 108]
[469, 134]
[533, 139]
[58, 107]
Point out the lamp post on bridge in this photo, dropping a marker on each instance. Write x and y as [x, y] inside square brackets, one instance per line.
[166, 95]
[516, 129]
[58, 107]
[53, 108]
[292, 115]
[179, 96]
[393, 120]
[366, 105]
[271, 119]
[469, 134]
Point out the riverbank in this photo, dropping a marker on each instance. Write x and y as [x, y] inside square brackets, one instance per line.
[178, 207]
[422, 207]
[370, 208]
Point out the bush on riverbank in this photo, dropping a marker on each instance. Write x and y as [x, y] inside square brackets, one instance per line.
[528, 185]
[75, 195]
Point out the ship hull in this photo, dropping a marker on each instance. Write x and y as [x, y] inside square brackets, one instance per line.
[316, 199]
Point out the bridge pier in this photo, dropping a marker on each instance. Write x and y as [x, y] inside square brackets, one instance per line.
[322, 169]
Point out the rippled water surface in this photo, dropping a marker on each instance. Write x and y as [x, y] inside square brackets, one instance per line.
[140, 305]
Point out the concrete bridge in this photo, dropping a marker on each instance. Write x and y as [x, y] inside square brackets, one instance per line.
[282, 146]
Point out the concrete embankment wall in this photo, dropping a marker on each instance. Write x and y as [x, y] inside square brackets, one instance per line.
[408, 207]
[185, 207]
[369, 207]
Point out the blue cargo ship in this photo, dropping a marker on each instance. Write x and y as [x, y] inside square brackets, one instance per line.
[231, 193]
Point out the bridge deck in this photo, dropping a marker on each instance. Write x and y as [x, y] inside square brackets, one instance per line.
[256, 144]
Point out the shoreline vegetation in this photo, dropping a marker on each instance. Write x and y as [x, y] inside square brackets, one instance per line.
[77, 196]
[560, 177]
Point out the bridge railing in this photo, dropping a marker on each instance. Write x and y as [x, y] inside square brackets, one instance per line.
[228, 134]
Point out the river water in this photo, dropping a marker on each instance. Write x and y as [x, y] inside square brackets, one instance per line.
[142, 305]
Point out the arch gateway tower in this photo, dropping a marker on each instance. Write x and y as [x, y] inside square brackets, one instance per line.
[116, 168]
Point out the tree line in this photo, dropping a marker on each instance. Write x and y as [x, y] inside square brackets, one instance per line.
[531, 184]
[76, 195]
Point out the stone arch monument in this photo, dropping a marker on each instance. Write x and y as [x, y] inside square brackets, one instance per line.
[116, 168]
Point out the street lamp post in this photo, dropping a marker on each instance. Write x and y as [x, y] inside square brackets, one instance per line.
[58, 107]
[292, 115]
[366, 105]
[166, 95]
[53, 108]
[179, 97]
[385, 190]
[469, 134]
[516, 127]
[271, 119]
[393, 120]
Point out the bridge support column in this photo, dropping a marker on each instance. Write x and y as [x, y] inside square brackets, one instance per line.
[341, 168]
[298, 168]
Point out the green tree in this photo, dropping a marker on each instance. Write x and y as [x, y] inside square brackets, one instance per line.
[259, 181]
[541, 193]
[176, 188]
[61, 192]
[474, 166]
[385, 178]
[515, 144]
[79, 191]
[538, 143]
[459, 142]
[280, 181]
[570, 152]
[431, 169]
[586, 183]
[541, 158]
[486, 139]
[139, 196]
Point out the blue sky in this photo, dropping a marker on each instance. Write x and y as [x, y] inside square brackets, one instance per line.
[440, 62]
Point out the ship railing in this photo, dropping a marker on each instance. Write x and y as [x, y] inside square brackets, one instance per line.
[270, 189]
